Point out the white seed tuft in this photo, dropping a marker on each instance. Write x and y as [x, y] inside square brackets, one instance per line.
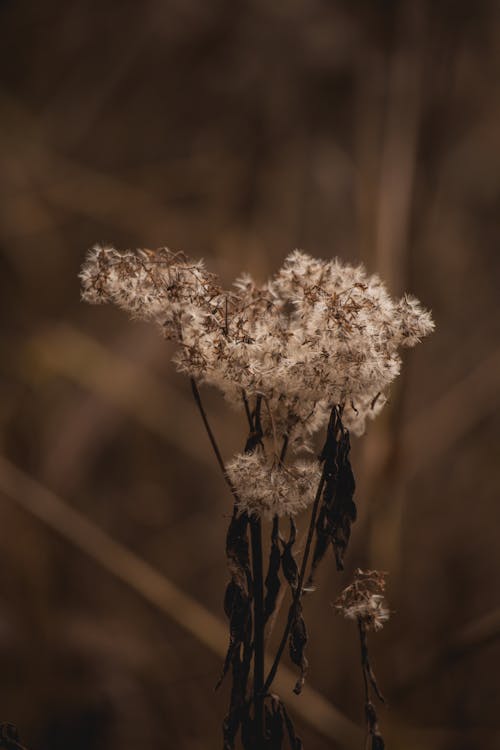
[319, 333]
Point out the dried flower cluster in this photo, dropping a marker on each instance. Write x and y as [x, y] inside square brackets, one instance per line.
[316, 346]
[270, 488]
[318, 333]
[364, 600]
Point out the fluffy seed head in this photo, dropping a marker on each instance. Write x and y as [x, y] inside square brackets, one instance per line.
[268, 488]
[319, 333]
[364, 600]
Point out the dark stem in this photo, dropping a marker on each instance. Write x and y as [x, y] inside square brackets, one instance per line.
[247, 409]
[258, 604]
[257, 647]
[284, 449]
[364, 659]
[211, 436]
[369, 681]
[369, 675]
[255, 435]
[298, 592]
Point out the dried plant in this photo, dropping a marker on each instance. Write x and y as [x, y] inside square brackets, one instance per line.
[363, 601]
[313, 349]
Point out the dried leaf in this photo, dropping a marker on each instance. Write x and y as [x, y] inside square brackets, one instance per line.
[288, 563]
[343, 509]
[230, 727]
[298, 632]
[274, 725]
[329, 458]
[233, 718]
[247, 729]
[238, 558]
[297, 644]
[238, 709]
[294, 739]
[237, 600]
[255, 437]
[338, 510]
[273, 583]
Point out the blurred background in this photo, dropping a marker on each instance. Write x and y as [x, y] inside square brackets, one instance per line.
[237, 132]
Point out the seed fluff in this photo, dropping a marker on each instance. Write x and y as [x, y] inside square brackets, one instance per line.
[318, 333]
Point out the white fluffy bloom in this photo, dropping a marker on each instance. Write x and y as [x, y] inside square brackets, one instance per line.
[372, 611]
[161, 286]
[364, 599]
[319, 333]
[267, 488]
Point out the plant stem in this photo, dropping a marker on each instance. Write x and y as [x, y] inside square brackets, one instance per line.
[298, 592]
[312, 524]
[258, 604]
[362, 641]
[247, 409]
[211, 436]
[284, 449]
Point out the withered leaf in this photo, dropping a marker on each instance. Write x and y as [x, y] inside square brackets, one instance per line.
[329, 458]
[255, 436]
[247, 729]
[273, 583]
[293, 738]
[274, 726]
[297, 644]
[237, 551]
[230, 727]
[288, 563]
[237, 609]
[343, 510]
[237, 600]
[338, 510]
[238, 709]
[298, 633]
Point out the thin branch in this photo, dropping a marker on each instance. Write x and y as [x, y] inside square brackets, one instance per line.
[362, 641]
[258, 605]
[213, 442]
[247, 409]
[273, 426]
[298, 592]
[255, 437]
[371, 717]
[284, 449]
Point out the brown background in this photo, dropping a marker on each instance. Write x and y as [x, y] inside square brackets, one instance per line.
[237, 131]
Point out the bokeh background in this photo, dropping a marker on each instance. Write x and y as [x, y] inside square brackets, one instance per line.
[237, 132]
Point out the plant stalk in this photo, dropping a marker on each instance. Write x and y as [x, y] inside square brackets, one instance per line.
[211, 436]
[298, 592]
[258, 604]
